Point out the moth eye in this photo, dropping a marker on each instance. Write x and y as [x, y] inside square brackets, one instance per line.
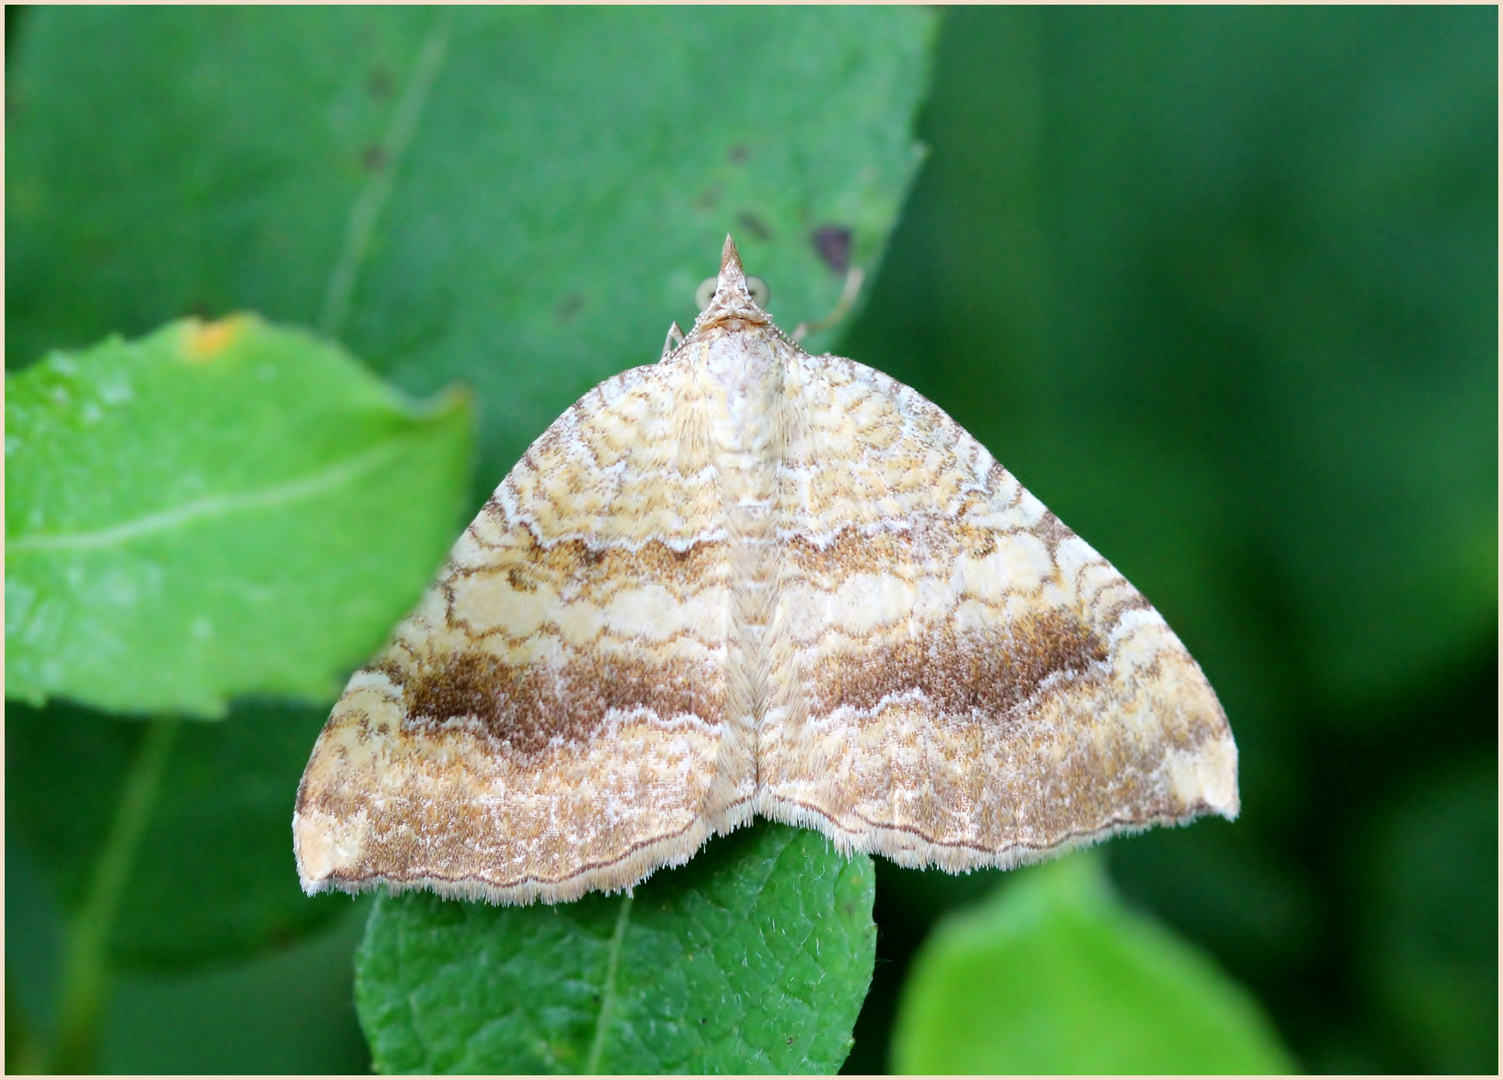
[704, 293]
[760, 293]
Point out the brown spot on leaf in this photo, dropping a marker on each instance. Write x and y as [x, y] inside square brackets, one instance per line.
[754, 225]
[833, 245]
[737, 154]
[99, 251]
[373, 158]
[379, 85]
[569, 306]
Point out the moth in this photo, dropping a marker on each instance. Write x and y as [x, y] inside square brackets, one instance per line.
[745, 581]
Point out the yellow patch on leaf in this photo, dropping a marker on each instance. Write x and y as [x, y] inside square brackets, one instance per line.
[204, 341]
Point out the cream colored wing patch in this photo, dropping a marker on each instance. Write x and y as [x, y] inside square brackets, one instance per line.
[968, 682]
[554, 716]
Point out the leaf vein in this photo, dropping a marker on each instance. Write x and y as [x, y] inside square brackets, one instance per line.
[209, 507]
[373, 198]
[608, 989]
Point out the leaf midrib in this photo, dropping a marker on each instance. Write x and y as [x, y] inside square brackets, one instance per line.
[608, 990]
[209, 507]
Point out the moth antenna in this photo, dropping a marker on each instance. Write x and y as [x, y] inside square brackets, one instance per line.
[852, 289]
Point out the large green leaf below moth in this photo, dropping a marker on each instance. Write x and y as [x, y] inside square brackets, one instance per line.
[753, 958]
[215, 510]
[519, 198]
[1053, 975]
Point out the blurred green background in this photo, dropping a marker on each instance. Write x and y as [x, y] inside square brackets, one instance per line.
[1220, 287]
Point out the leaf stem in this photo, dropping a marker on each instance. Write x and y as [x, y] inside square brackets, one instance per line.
[85, 960]
[608, 990]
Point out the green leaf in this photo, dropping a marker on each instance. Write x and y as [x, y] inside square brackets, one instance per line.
[754, 957]
[284, 1011]
[215, 510]
[522, 198]
[1052, 975]
[212, 876]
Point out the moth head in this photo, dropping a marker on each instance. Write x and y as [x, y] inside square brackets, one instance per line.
[761, 294]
